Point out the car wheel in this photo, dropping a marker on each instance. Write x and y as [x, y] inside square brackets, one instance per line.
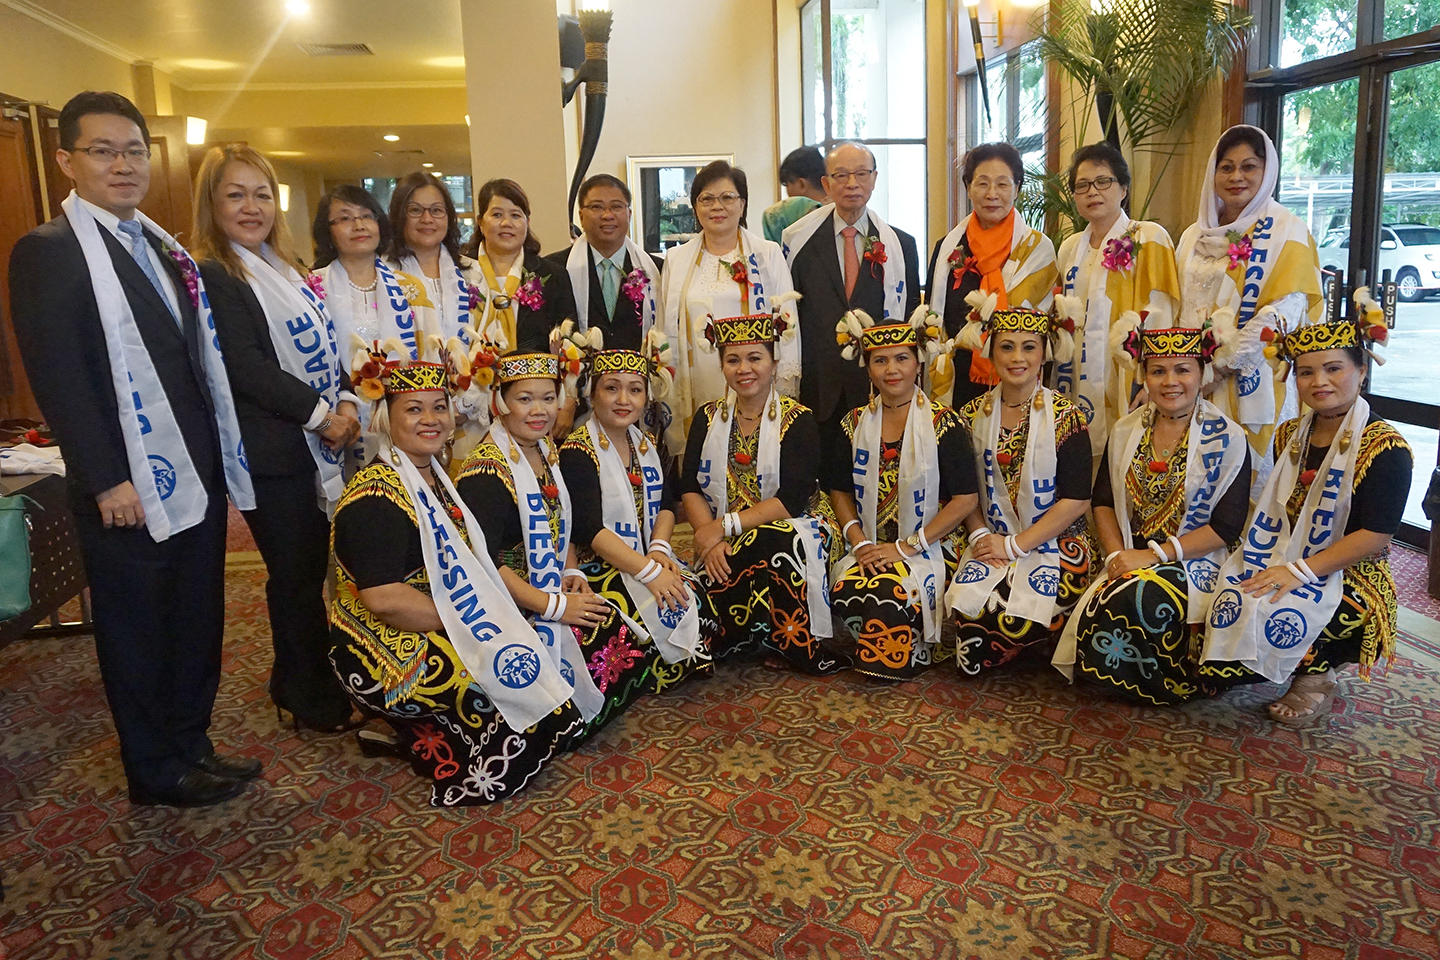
[1409, 285]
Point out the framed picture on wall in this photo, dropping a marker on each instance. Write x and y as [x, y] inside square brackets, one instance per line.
[661, 187]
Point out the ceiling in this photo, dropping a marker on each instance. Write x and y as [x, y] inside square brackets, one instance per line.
[227, 48]
[205, 42]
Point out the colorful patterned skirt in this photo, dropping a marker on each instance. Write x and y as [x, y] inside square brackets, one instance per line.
[659, 675]
[1362, 629]
[451, 730]
[620, 662]
[1133, 639]
[885, 621]
[764, 606]
[994, 638]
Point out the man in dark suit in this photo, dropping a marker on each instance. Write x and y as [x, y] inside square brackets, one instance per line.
[838, 265]
[158, 604]
[600, 298]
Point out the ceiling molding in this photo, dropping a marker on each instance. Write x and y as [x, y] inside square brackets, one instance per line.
[327, 85]
[41, 15]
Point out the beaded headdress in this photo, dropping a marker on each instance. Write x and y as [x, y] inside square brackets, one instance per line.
[857, 333]
[752, 328]
[528, 366]
[1056, 328]
[415, 376]
[1366, 329]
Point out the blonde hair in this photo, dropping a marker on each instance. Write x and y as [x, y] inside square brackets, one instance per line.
[207, 240]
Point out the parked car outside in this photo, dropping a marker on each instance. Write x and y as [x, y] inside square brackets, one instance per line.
[1410, 251]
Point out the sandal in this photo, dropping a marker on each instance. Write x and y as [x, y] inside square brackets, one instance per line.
[1311, 696]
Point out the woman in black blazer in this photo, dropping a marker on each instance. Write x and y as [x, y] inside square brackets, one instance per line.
[296, 413]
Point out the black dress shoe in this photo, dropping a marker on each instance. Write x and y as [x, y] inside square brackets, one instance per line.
[240, 768]
[195, 788]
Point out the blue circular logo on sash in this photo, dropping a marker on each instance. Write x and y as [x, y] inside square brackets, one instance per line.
[240, 455]
[1086, 407]
[567, 671]
[669, 617]
[164, 475]
[975, 571]
[517, 666]
[1226, 609]
[1248, 383]
[1203, 573]
[331, 456]
[1045, 581]
[1285, 628]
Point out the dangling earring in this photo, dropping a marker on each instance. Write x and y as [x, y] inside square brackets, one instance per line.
[725, 404]
[1345, 439]
[644, 443]
[514, 451]
[604, 441]
[873, 398]
[989, 403]
[774, 406]
[553, 454]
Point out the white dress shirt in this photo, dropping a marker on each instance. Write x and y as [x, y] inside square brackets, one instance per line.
[862, 226]
[110, 222]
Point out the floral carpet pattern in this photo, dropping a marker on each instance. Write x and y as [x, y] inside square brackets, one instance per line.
[755, 813]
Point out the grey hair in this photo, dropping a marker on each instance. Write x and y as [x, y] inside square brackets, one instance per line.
[850, 143]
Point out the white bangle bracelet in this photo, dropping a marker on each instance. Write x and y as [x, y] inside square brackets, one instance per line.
[1179, 550]
[845, 530]
[863, 543]
[663, 546]
[1112, 556]
[900, 549]
[571, 572]
[1159, 552]
[924, 544]
[1305, 568]
[977, 534]
[732, 524]
[1012, 549]
[555, 609]
[649, 572]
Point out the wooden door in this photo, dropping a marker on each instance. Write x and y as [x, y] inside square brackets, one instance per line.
[18, 206]
[168, 202]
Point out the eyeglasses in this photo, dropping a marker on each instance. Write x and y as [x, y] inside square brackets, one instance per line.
[108, 155]
[600, 209]
[1101, 184]
[346, 219]
[417, 212]
[845, 176]
[1000, 186]
[710, 200]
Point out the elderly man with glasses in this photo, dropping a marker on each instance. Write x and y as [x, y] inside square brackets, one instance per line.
[843, 257]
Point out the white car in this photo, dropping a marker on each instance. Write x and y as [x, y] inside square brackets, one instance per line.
[1410, 251]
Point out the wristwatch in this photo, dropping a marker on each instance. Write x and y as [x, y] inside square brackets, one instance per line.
[913, 542]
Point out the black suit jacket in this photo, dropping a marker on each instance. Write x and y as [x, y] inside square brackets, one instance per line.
[532, 327]
[622, 331]
[57, 326]
[272, 406]
[830, 385]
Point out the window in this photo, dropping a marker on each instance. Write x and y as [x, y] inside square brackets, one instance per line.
[873, 92]
[1016, 84]
[382, 188]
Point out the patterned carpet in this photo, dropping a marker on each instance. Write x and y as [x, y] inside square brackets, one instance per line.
[756, 813]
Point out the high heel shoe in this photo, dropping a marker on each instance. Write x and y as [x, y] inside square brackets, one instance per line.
[297, 724]
[375, 744]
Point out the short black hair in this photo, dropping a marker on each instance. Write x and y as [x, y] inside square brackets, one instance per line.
[992, 151]
[1236, 135]
[94, 101]
[603, 180]
[400, 199]
[1102, 152]
[721, 170]
[325, 252]
[804, 163]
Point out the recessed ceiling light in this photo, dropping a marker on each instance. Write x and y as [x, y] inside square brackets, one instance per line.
[297, 8]
[427, 165]
[392, 137]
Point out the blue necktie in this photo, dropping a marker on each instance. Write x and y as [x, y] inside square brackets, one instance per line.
[139, 249]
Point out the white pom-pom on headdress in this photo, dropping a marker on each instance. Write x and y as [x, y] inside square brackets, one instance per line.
[1228, 341]
[781, 299]
[853, 326]
[662, 357]
[1120, 331]
[1063, 349]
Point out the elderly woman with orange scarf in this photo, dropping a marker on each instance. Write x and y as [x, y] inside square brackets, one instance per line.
[992, 250]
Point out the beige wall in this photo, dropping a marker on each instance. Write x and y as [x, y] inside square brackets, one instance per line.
[38, 63]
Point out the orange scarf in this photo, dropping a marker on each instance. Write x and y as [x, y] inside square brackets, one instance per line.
[991, 249]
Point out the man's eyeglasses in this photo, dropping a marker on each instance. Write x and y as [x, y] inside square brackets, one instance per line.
[845, 176]
[361, 218]
[600, 209]
[108, 155]
[417, 212]
[1101, 184]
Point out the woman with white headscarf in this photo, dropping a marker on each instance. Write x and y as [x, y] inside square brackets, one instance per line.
[1247, 263]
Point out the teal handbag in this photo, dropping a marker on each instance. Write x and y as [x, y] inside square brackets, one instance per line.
[14, 557]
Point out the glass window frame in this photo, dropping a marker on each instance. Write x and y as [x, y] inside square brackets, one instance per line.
[1373, 60]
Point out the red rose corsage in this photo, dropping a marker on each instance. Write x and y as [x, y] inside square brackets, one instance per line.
[739, 274]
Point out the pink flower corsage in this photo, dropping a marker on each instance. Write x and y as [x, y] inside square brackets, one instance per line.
[1240, 248]
[312, 280]
[532, 292]
[188, 271]
[476, 301]
[1119, 252]
[635, 284]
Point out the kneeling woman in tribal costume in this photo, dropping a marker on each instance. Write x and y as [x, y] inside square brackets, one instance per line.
[513, 482]
[624, 515]
[1027, 560]
[749, 487]
[904, 449]
[1310, 587]
[1172, 492]
[425, 633]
